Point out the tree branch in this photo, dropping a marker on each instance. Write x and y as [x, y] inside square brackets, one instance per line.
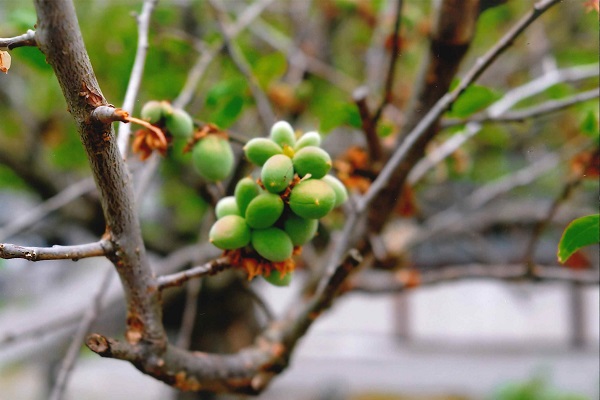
[90, 315]
[137, 71]
[59, 38]
[210, 268]
[499, 108]
[396, 169]
[263, 104]
[38, 212]
[248, 371]
[197, 71]
[26, 39]
[102, 248]
[391, 72]
[404, 280]
[536, 111]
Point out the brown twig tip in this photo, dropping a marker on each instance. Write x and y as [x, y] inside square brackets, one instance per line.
[98, 344]
[109, 114]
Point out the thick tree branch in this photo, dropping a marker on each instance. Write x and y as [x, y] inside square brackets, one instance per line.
[26, 39]
[392, 177]
[101, 248]
[248, 371]
[59, 38]
[444, 103]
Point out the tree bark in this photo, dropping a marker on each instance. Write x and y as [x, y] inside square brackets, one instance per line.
[59, 38]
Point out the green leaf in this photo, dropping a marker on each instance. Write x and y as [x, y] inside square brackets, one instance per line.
[229, 112]
[270, 68]
[474, 98]
[589, 125]
[579, 233]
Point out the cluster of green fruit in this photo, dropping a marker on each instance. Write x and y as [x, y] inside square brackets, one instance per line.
[212, 156]
[281, 210]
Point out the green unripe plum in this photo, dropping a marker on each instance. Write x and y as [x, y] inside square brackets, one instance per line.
[308, 139]
[312, 160]
[245, 190]
[264, 210]
[282, 133]
[272, 243]
[179, 123]
[312, 199]
[275, 278]
[277, 173]
[226, 206]
[341, 193]
[259, 150]
[213, 158]
[230, 232]
[153, 111]
[300, 230]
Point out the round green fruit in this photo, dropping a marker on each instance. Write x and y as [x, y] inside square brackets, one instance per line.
[245, 190]
[259, 150]
[179, 123]
[272, 243]
[300, 230]
[282, 133]
[264, 210]
[153, 111]
[226, 206]
[277, 173]
[312, 160]
[213, 158]
[230, 232]
[275, 278]
[312, 199]
[308, 139]
[341, 194]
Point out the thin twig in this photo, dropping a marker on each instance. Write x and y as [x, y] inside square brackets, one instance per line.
[26, 39]
[433, 115]
[498, 109]
[137, 71]
[531, 112]
[210, 268]
[263, 104]
[38, 331]
[54, 203]
[454, 219]
[77, 252]
[296, 55]
[369, 124]
[572, 183]
[184, 337]
[391, 73]
[401, 281]
[197, 71]
[70, 358]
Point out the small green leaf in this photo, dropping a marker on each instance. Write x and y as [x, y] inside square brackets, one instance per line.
[270, 68]
[474, 98]
[589, 125]
[579, 233]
